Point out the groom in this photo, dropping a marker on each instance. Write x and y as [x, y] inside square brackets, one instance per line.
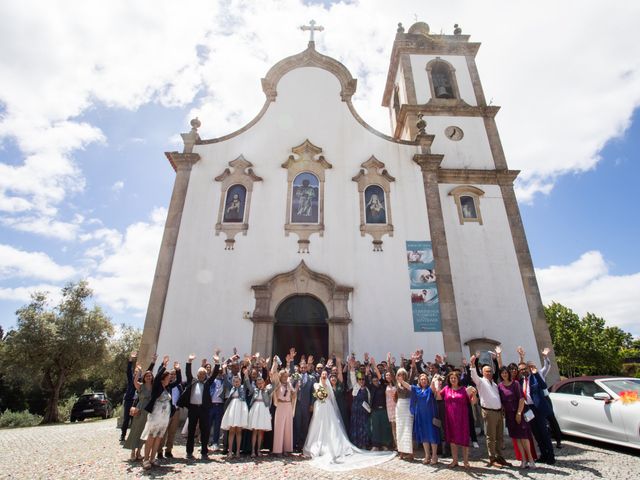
[304, 402]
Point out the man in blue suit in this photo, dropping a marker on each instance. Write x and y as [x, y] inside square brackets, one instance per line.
[534, 389]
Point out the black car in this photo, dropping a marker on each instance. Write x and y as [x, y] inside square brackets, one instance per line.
[95, 404]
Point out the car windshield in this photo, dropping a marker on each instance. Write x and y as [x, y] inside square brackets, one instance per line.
[623, 385]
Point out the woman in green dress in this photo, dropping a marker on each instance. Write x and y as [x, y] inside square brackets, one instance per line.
[143, 390]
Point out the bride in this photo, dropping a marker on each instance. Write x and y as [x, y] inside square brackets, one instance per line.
[327, 442]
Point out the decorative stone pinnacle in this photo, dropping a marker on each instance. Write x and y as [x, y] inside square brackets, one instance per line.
[457, 30]
[192, 138]
[421, 124]
[400, 28]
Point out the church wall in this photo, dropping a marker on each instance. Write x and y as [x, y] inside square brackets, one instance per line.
[490, 297]
[421, 80]
[473, 151]
[210, 288]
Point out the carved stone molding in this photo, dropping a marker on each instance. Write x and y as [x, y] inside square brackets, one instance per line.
[306, 158]
[309, 58]
[241, 174]
[301, 281]
[373, 174]
[480, 177]
[468, 211]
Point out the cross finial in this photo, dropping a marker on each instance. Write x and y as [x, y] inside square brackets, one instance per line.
[311, 28]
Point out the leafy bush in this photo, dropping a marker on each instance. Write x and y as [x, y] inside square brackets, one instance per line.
[64, 408]
[9, 419]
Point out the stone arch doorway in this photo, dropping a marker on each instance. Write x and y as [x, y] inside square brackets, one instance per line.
[301, 282]
[301, 322]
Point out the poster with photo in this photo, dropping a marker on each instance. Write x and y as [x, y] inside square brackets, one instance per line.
[425, 303]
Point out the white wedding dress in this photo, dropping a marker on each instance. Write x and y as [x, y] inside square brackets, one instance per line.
[328, 444]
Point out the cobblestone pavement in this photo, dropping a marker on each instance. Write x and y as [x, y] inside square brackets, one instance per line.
[90, 450]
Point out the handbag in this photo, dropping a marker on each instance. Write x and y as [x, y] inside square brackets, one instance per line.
[529, 415]
[366, 406]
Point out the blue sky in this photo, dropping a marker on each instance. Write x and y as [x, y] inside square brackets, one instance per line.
[93, 93]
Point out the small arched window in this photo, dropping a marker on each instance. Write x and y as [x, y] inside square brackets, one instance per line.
[234, 204]
[305, 198]
[375, 206]
[467, 200]
[442, 79]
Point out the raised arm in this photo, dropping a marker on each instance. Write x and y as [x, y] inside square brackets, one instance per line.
[520, 351]
[375, 369]
[153, 362]
[547, 363]
[136, 382]
[189, 362]
[178, 380]
[339, 368]
[498, 351]
[130, 363]
[474, 373]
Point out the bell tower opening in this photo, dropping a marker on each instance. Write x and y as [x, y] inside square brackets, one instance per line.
[301, 322]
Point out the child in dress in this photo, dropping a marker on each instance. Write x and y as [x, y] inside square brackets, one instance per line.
[236, 415]
[259, 415]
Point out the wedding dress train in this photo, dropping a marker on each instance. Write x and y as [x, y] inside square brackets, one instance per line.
[328, 444]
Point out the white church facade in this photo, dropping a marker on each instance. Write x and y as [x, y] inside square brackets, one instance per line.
[309, 228]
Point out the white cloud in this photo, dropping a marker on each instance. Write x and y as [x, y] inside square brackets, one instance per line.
[117, 186]
[122, 276]
[23, 294]
[19, 263]
[586, 286]
[44, 226]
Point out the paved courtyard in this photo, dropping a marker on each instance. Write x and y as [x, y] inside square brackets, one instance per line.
[91, 450]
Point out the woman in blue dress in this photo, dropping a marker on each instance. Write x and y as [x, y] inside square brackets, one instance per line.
[424, 409]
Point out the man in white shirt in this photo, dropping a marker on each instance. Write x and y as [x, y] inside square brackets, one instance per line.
[491, 412]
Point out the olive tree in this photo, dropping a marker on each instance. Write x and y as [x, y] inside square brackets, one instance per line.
[56, 345]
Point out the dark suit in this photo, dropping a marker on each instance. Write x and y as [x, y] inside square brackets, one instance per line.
[198, 414]
[302, 416]
[540, 407]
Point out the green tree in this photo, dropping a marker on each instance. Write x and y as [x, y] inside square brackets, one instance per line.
[57, 345]
[585, 346]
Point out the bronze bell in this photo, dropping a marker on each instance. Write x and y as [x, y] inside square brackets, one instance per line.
[443, 92]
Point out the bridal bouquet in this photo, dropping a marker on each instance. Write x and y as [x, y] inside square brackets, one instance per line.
[320, 393]
[295, 377]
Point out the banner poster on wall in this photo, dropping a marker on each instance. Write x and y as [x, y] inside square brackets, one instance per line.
[425, 304]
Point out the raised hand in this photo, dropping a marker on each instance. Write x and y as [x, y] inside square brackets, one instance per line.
[546, 351]
[235, 351]
[329, 363]
[498, 350]
[191, 358]
[477, 353]
[472, 360]
[216, 356]
[165, 360]
[520, 351]
[133, 356]
[176, 366]
[203, 362]
[310, 359]
[438, 359]
[464, 362]
[154, 357]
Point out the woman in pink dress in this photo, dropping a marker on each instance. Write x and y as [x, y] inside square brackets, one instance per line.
[284, 396]
[456, 403]
[390, 393]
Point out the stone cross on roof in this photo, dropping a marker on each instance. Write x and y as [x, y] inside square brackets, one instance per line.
[312, 28]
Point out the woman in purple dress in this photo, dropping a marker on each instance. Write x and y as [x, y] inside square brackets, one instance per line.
[456, 405]
[513, 404]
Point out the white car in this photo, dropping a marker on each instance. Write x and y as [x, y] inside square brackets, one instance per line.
[591, 407]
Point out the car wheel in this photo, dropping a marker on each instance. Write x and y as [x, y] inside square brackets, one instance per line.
[72, 419]
[81, 419]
